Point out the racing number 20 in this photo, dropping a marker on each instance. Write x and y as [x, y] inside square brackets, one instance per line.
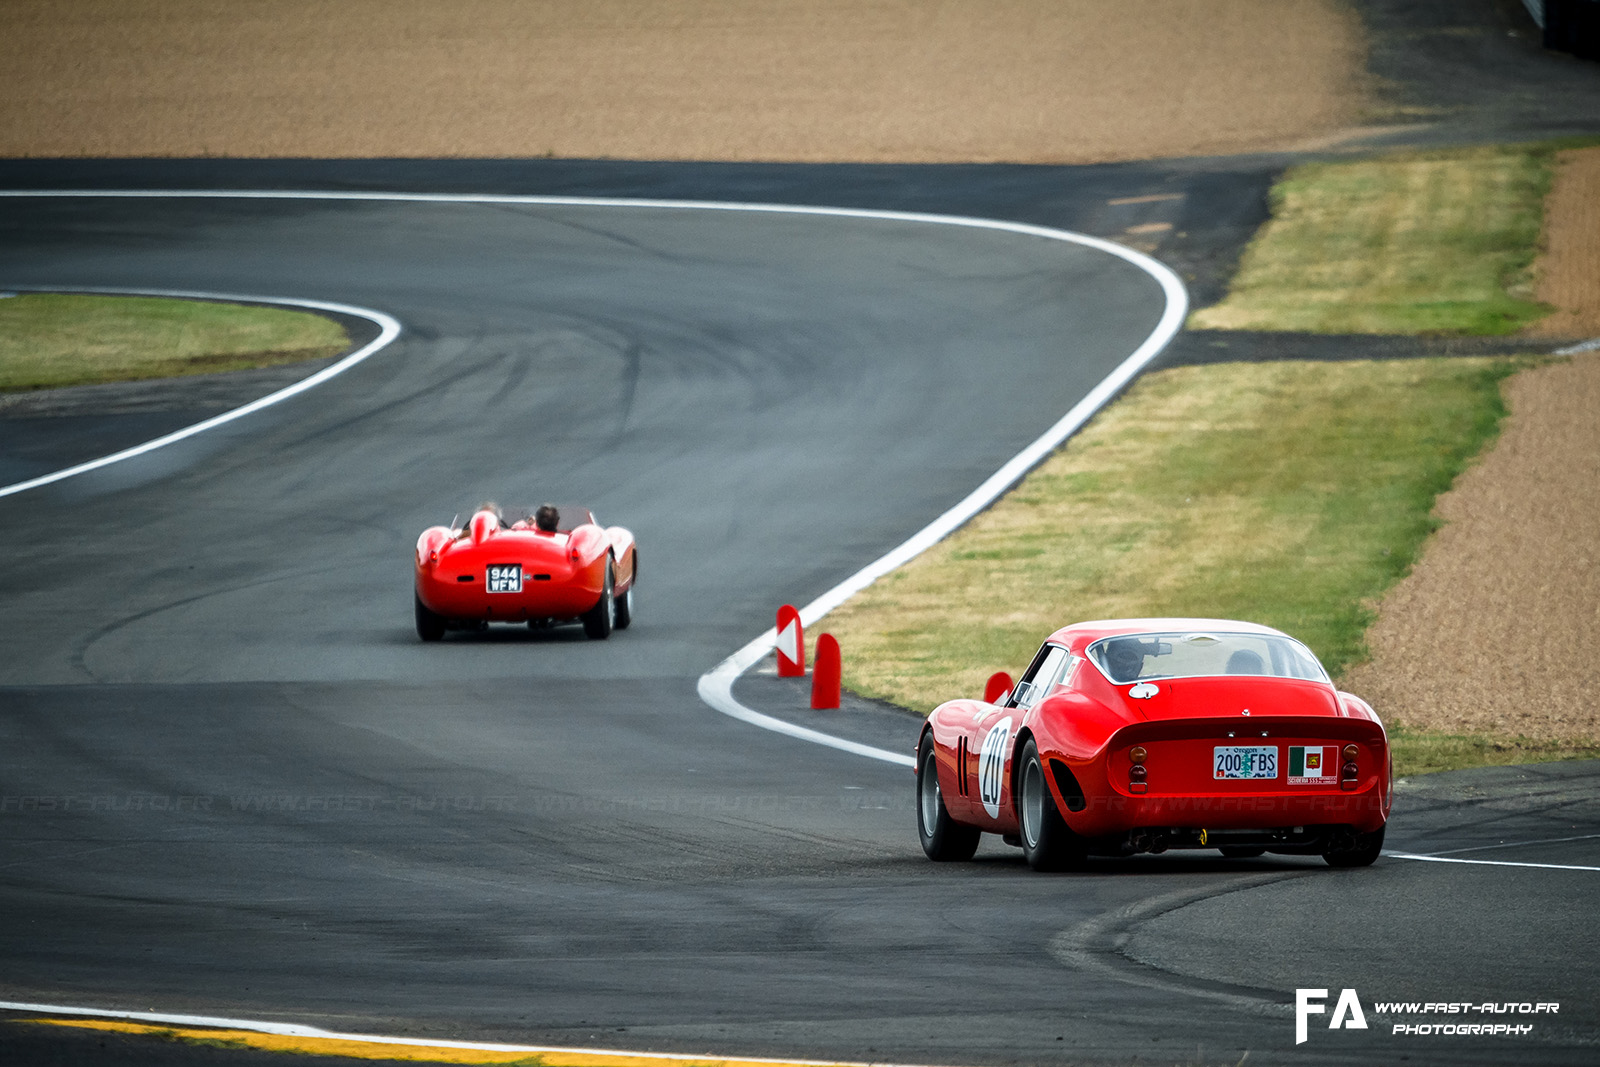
[992, 766]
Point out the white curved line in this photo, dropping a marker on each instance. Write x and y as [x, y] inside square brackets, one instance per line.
[1486, 863]
[1583, 346]
[716, 685]
[389, 329]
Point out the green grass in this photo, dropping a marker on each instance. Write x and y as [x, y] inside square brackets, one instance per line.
[1292, 494]
[1418, 243]
[1426, 751]
[49, 340]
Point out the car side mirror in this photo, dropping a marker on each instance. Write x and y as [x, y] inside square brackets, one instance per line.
[998, 689]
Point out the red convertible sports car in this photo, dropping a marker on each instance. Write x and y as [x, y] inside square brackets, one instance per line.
[554, 565]
[1142, 735]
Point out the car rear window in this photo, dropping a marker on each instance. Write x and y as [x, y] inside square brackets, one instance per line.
[1130, 657]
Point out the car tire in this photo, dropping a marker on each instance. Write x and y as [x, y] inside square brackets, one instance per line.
[943, 839]
[1366, 849]
[597, 620]
[1241, 852]
[622, 613]
[1048, 843]
[430, 624]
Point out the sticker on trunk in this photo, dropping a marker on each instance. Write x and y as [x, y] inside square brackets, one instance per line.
[1312, 764]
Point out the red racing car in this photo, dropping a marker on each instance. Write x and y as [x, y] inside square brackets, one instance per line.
[1142, 735]
[552, 566]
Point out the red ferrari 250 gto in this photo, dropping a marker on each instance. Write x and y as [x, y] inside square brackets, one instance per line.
[555, 565]
[1142, 735]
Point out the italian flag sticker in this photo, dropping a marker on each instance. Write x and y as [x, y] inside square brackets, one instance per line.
[1309, 765]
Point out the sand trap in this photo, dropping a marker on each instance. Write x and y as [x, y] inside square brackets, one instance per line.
[857, 80]
[1568, 270]
[1497, 628]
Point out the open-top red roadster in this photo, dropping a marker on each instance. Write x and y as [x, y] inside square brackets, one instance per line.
[1142, 735]
[550, 566]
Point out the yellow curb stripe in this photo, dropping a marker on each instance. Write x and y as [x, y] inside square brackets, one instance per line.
[419, 1052]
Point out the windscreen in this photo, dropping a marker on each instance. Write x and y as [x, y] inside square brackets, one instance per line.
[1132, 657]
[571, 516]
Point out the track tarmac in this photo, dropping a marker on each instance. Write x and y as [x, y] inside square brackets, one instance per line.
[234, 784]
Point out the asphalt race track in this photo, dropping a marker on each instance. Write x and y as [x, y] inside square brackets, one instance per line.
[232, 782]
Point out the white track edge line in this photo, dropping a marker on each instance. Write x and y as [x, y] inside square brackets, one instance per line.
[297, 1030]
[389, 329]
[716, 685]
[1486, 863]
[1582, 346]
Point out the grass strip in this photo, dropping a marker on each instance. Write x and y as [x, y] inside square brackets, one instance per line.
[1426, 751]
[49, 340]
[1292, 494]
[1436, 242]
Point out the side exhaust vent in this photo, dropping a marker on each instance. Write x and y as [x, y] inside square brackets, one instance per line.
[1067, 783]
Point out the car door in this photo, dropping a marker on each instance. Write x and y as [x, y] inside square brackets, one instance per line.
[992, 735]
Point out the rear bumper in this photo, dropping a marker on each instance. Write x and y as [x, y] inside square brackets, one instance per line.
[1181, 791]
[538, 600]
[1308, 839]
[1109, 814]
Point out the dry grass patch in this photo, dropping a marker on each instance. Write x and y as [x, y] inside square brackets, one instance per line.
[52, 339]
[1291, 494]
[1426, 751]
[1425, 243]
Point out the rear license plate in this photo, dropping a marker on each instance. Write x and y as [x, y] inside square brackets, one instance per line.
[1244, 761]
[504, 578]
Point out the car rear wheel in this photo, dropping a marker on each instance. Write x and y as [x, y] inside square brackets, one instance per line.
[1048, 842]
[430, 624]
[622, 615]
[1360, 854]
[943, 839]
[597, 620]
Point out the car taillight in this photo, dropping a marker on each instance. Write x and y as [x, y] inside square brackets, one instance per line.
[1138, 776]
[1350, 771]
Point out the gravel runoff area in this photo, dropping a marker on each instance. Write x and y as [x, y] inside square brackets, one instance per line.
[1068, 81]
[1497, 627]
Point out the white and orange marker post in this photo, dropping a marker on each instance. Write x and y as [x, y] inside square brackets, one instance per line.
[825, 674]
[791, 644]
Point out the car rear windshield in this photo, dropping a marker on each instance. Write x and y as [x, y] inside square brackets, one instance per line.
[1131, 657]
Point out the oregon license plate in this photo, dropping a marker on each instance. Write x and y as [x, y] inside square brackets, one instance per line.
[1244, 761]
[504, 578]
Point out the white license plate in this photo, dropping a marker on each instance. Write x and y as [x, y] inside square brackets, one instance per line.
[504, 578]
[1244, 761]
